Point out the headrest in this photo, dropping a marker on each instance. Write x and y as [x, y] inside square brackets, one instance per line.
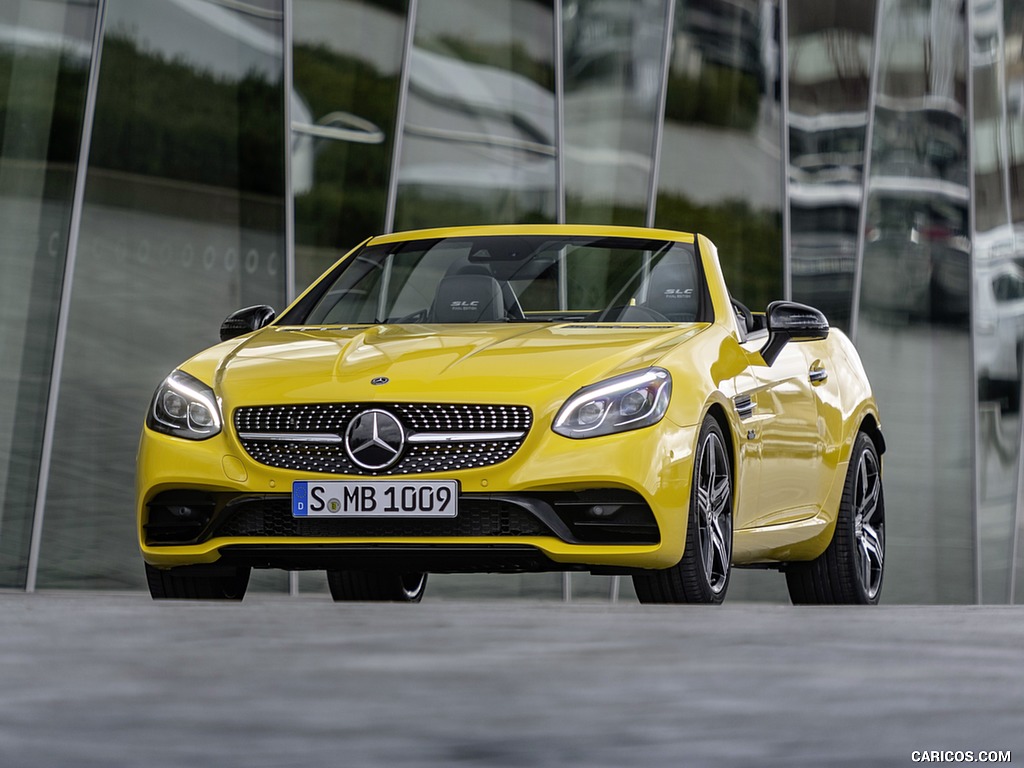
[468, 299]
[671, 291]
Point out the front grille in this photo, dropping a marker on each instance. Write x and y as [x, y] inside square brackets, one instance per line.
[273, 517]
[439, 437]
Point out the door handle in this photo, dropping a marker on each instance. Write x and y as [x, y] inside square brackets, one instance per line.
[818, 374]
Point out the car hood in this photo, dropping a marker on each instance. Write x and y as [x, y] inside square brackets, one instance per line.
[457, 363]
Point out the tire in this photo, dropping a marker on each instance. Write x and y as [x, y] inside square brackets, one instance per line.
[376, 586]
[192, 583]
[850, 571]
[702, 576]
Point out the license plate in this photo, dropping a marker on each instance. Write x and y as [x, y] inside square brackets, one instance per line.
[375, 498]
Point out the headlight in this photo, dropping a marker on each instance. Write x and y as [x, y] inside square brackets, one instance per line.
[185, 407]
[625, 402]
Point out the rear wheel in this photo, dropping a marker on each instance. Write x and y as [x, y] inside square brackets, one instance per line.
[850, 571]
[376, 586]
[197, 583]
[702, 576]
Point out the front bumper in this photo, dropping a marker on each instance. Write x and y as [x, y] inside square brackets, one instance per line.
[209, 502]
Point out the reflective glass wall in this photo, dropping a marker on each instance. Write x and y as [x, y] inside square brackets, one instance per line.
[480, 126]
[346, 63]
[829, 57]
[997, 136]
[863, 156]
[720, 163]
[911, 318]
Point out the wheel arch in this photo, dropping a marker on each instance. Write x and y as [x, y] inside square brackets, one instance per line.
[869, 425]
[717, 411]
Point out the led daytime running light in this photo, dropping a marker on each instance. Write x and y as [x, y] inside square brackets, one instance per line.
[654, 385]
[201, 417]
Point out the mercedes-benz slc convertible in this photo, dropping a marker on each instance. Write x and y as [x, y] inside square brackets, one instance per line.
[518, 399]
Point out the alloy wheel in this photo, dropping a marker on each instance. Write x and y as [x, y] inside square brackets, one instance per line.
[869, 524]
[713, 513]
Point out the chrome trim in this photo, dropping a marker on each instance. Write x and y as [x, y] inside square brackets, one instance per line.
[293, 437]
[464, 437]
[744, 406]
[420, 437]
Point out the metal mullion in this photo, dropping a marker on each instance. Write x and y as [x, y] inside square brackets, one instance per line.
[659, 117]
[869, 137]
[290, 267]
[403, 98]
[64, 308]
[563, 290]
[787, 213]
[289, 183]
[559, 55]
[972, 226]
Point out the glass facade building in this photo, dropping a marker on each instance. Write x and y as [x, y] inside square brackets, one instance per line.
[163, 162]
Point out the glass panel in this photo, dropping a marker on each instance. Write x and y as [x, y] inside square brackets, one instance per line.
[612, 55]
[998, 295]
[829, 51]
[479, 135]
[346, 56]
[914, 301]
[1013, 83]
[45, 53]
[720, 157]
[183, 221]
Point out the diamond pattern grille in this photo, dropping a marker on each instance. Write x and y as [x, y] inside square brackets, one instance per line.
[332, 419]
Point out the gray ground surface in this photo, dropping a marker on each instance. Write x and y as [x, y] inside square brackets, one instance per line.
[116, 680]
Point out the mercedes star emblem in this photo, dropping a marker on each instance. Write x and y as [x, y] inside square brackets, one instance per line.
[374, 439]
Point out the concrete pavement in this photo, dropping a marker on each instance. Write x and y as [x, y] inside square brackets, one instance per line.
[117, 680]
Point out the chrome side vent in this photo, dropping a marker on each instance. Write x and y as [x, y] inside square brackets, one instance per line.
[744, 406]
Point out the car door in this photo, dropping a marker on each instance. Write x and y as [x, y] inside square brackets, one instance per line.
[792, 434]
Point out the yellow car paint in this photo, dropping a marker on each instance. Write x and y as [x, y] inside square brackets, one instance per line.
[712, 365]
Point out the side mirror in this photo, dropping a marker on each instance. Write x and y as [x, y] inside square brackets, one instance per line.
[789, 321]
[246, 320]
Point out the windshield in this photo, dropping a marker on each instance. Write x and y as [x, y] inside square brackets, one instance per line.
[497, 279]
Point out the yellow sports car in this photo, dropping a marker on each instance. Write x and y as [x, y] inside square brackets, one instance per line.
[514, 399]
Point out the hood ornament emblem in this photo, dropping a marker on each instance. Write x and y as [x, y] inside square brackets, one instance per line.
[374, 439]
[379, 380]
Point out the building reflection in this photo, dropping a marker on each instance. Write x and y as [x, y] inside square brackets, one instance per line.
[866, 157]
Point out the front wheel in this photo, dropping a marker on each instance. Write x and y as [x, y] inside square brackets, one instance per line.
[197, 583]
[376, 586]
[850, 571]
[702, 576]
